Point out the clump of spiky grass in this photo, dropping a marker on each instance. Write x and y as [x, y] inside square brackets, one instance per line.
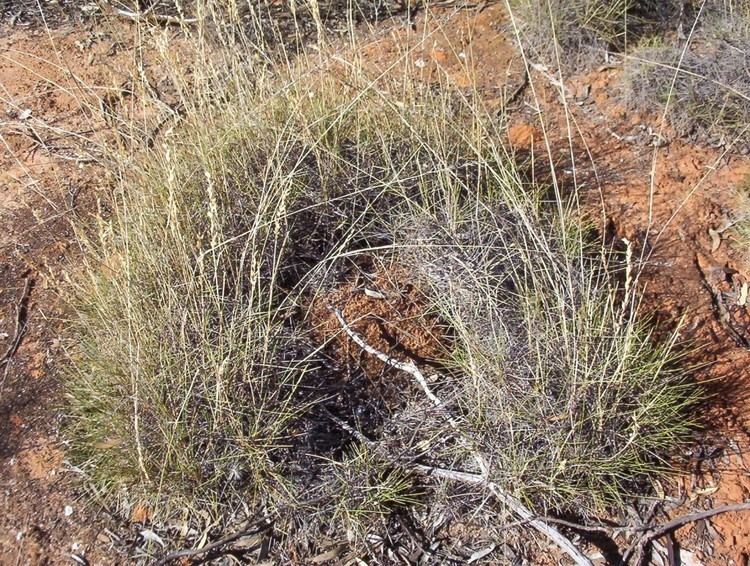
[566, 394]
[703, 87]
[188, 360]
[180, 386]
[575, 33]
[194, 372]
[369, 487]
[196, 382]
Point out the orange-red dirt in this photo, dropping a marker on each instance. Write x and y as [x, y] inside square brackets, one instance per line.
[46, 179]
[387, 309]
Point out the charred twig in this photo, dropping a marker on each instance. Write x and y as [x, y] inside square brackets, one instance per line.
[679, 522]
[585, 528]
[519, 89]
[460, 5]
[348, 428]
[253, 528]
[20, 326]
[477, 479]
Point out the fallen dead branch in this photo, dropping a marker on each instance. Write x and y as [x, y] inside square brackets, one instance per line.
[253, 528]
[475, 479]
[652, 533]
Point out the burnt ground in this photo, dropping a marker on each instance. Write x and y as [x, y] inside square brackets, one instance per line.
[677, 218]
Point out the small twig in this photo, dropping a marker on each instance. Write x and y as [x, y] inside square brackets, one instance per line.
[519, 89]
[585, 528]
[247, 530]
[459, 5]
[20, 326]
[508, 500]
[172, 20]
[652, 533]
[679, 522]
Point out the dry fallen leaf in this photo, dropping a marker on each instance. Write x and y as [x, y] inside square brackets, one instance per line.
[374, 294]
[701, 492]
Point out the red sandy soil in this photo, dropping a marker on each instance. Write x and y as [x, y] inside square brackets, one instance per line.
[46, 180]
[385, 306]
[666, 215]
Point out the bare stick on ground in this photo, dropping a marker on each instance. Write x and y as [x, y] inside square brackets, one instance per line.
[653, 533]
[505, 498]
[21, 307]
[255, 527]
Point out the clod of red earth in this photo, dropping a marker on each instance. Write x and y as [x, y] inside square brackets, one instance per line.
[462, 48]
[523, 136]
[389, 311]
[140, 513]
